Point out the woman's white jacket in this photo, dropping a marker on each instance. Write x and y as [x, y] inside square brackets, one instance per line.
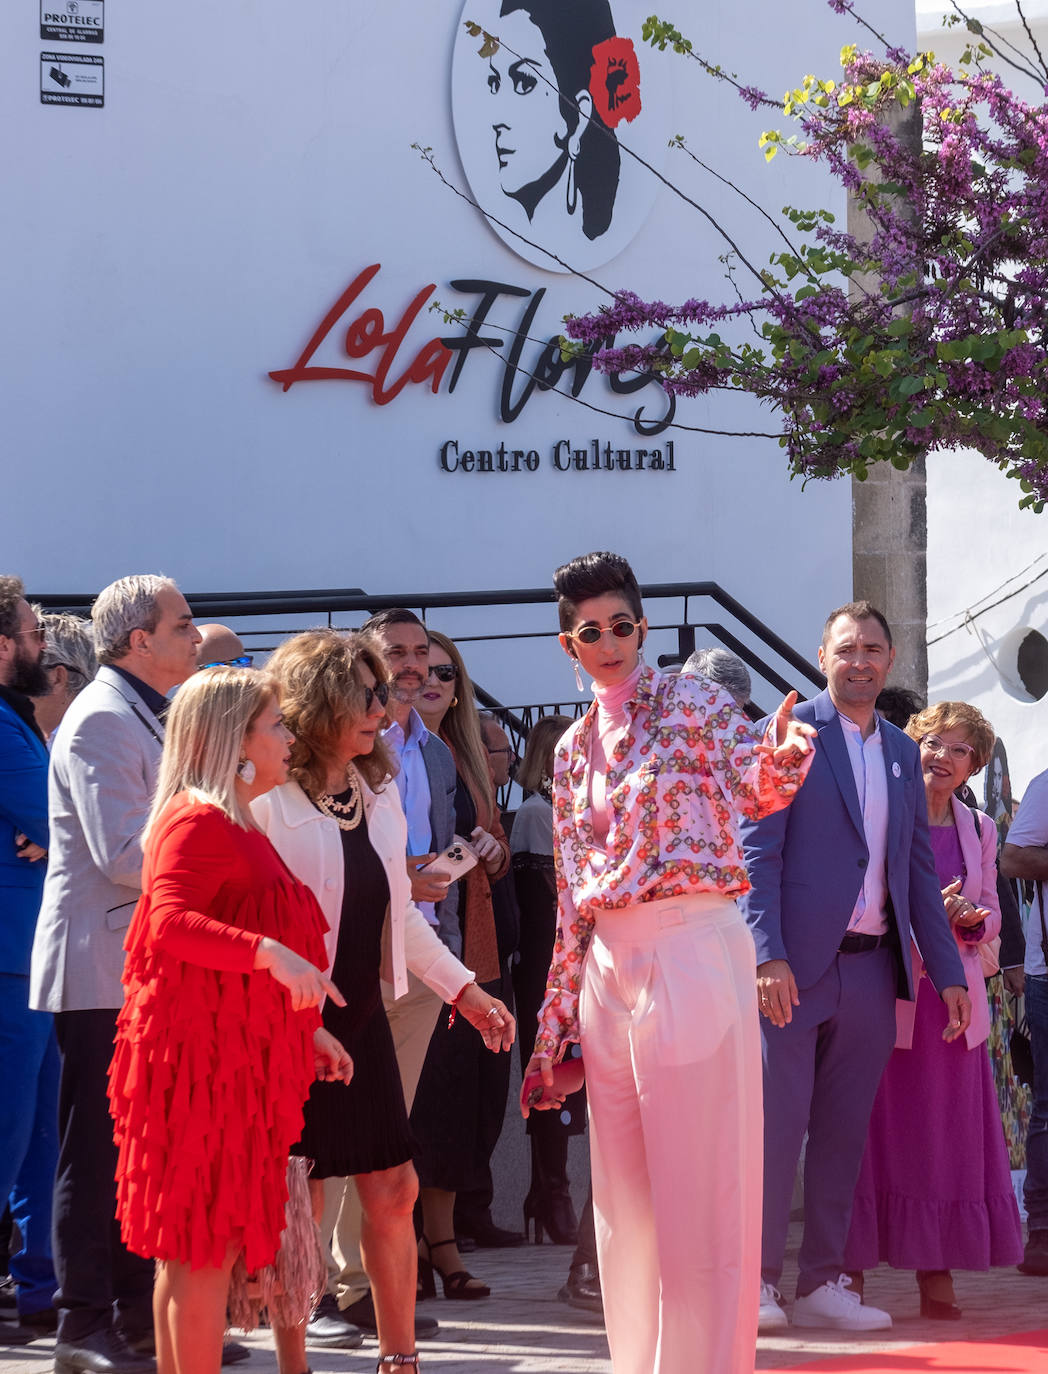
[310, 845]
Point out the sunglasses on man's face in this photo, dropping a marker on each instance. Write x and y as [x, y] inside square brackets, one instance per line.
[379, 691]
[244, 661]
[593, 634]
[443, 672]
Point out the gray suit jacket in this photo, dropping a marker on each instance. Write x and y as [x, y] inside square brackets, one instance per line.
[104, 762]
[440, 769]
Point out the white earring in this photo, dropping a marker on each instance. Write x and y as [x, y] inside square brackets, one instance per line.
[246, 771]
[578, 677]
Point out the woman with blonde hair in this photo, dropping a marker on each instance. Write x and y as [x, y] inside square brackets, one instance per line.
[935, 1192]
[218, 1039]
[460, 1102]
[339, 826]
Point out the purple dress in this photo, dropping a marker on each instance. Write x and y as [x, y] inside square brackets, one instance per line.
[934, 1191]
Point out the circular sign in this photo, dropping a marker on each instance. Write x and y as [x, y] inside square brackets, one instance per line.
[553, 102]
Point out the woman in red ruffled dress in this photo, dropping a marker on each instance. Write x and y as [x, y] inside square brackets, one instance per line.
[219, 1037]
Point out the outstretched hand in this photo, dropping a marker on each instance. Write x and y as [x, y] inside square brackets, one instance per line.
[793, 739]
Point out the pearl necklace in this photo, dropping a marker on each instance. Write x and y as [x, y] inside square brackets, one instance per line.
[347, 815]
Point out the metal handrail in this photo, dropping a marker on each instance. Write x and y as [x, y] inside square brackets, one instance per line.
[333, 600]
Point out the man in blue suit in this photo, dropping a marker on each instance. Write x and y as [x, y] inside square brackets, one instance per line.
[838, 880]
[28, 1053]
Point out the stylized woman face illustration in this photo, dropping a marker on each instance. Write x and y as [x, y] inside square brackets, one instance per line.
[529, 129]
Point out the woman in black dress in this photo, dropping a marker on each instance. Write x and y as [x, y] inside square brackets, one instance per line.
[548, 1206]
[341, 830]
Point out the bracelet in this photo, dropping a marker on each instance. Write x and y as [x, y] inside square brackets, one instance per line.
[456, 1000]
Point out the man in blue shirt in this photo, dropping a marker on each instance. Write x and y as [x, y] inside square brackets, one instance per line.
[29, 1102]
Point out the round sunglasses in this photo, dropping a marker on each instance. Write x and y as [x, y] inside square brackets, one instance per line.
[593, 634]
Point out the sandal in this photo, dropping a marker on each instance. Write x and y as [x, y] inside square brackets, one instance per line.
[398, 1362]
[461, 1284]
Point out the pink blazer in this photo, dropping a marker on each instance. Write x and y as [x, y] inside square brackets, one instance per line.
[980, 887]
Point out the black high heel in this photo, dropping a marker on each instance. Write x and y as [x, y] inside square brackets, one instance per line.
[935, 1308]
[460, 1285]
[551, 1212]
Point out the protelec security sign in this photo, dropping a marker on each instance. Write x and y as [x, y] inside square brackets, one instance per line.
[71, 79]
[74, 21]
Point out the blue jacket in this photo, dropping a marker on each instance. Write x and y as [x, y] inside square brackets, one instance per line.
[23, 809]
[806, 864]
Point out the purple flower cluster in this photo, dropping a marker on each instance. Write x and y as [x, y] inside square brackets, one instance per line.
[941, 340]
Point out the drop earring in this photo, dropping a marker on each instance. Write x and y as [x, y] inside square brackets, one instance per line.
[571, 190]
[246, 771]
[578, 677]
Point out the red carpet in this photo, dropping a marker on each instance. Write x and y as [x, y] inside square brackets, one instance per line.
[1025, 1353]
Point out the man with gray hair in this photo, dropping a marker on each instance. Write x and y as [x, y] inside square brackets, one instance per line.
[725, 669]
[69, 659]
[104, 762]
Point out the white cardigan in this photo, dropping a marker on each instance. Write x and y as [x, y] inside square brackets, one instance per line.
[309, 843]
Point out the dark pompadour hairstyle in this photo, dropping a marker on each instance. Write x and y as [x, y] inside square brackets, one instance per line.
[393, 615]
[857, 610]
[594, 574]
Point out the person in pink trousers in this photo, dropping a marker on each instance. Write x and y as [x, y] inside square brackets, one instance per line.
[653, 973]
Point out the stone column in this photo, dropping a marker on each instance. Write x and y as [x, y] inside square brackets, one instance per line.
[889, 514]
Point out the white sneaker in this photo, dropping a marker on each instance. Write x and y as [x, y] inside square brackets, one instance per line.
[772, 1315]
[834, 1305]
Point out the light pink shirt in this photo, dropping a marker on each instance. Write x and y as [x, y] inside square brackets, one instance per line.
[870, 913]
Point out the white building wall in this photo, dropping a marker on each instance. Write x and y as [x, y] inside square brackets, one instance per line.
[987, 560]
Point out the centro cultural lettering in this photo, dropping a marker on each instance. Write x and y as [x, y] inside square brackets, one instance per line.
[594, 457]
[361, 334]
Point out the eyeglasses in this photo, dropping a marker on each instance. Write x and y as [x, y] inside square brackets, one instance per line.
[38, 630]
[244, 661]
[503, 749]
[379, 691]
[593, 634]
[443, 672]
[935, 745]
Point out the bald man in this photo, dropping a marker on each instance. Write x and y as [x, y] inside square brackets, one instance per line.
[220, 647]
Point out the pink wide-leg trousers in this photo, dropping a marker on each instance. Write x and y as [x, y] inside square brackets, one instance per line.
[671, 1045]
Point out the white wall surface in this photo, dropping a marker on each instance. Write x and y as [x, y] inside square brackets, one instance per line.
[166, 252]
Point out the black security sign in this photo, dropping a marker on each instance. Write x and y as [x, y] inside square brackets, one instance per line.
[72, 21]
[72, 79]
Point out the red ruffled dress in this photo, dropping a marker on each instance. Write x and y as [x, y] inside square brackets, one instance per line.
[212, 1065]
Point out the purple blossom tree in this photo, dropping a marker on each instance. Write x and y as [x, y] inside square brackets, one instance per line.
[926, 333]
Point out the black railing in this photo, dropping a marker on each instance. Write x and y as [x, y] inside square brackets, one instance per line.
[265, 618]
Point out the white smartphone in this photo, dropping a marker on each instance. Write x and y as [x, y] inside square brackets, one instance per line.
[455, 862]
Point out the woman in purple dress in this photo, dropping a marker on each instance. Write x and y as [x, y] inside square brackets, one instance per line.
[935, 1193]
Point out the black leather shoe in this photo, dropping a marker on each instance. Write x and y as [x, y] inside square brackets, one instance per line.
[42, 1322]
[101, 1352]
[488, 1236]
[233, 1352]
[362, 1314]
[329, 1328]
[7, 1292]
[1035, 1261]
[16, 1335]
[582, 1289]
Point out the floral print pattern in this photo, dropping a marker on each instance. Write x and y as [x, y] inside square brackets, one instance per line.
[684, 768]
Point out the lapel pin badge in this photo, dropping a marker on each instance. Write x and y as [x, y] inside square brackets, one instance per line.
[896, 771]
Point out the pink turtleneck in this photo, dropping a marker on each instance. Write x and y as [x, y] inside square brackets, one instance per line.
[611, 724]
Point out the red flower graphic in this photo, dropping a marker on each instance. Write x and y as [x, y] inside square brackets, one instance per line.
[615, 81]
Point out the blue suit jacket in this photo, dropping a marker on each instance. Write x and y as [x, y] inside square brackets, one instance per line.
[23, 808]
[807, 863]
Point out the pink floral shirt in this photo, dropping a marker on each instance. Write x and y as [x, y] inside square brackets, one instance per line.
[677, 778]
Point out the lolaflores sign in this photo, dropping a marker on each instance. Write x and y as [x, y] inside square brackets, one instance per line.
[545, 124]
[542, 124]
